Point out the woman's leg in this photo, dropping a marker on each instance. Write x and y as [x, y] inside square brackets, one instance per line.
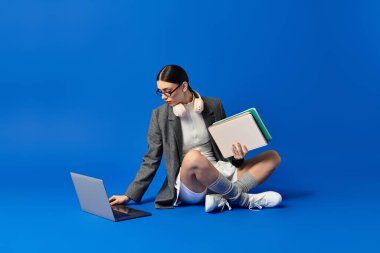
[252, 172]
[261, 166]
[197, 172]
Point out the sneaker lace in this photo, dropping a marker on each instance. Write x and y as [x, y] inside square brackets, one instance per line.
[258, 203]
[223, 203]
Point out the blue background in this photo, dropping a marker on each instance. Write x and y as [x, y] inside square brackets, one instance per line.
[77, 82]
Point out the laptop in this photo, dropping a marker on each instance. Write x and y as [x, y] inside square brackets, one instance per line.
[93, 199]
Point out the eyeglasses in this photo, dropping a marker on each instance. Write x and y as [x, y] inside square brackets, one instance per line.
[166, 93]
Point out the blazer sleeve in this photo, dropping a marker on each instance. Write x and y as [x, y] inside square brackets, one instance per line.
[235, 162]
[150, 164]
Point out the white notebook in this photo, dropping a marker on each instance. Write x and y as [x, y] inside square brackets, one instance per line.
[242, 128]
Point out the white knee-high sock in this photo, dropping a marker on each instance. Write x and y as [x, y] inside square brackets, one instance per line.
[229, 191]
[246, 182]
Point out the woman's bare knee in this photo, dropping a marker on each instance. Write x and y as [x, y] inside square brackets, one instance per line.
[195, 163]
[275, 157]
[271, 160]
[192, 159]
[194, 171]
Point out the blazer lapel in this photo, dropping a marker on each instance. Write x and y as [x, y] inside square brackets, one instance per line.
[208, 115]
[175, 124]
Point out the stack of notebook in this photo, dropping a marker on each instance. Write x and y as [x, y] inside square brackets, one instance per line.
[246, 127]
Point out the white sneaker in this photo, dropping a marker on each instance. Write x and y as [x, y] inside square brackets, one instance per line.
[264, 199]
[214, 201]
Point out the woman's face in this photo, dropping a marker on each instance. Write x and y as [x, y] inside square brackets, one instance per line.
[170, 97]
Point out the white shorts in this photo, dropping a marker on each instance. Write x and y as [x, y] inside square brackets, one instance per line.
[187, 196]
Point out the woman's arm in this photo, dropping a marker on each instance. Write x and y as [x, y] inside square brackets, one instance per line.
[150, 164]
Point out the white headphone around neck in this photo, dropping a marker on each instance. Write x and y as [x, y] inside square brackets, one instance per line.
[179, 110]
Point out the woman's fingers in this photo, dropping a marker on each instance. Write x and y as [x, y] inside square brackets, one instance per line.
[236, 152]
[119, 199]
[233, 149]
[239, 151]
[114, 200]
[245, 150]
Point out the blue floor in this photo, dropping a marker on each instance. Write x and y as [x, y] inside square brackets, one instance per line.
[316, 215]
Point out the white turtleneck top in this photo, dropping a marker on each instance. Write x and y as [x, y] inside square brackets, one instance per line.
[194, 133]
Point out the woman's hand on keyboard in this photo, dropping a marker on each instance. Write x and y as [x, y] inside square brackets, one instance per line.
[119, 200]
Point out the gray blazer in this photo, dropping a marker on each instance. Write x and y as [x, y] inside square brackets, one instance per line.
[165, 138]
